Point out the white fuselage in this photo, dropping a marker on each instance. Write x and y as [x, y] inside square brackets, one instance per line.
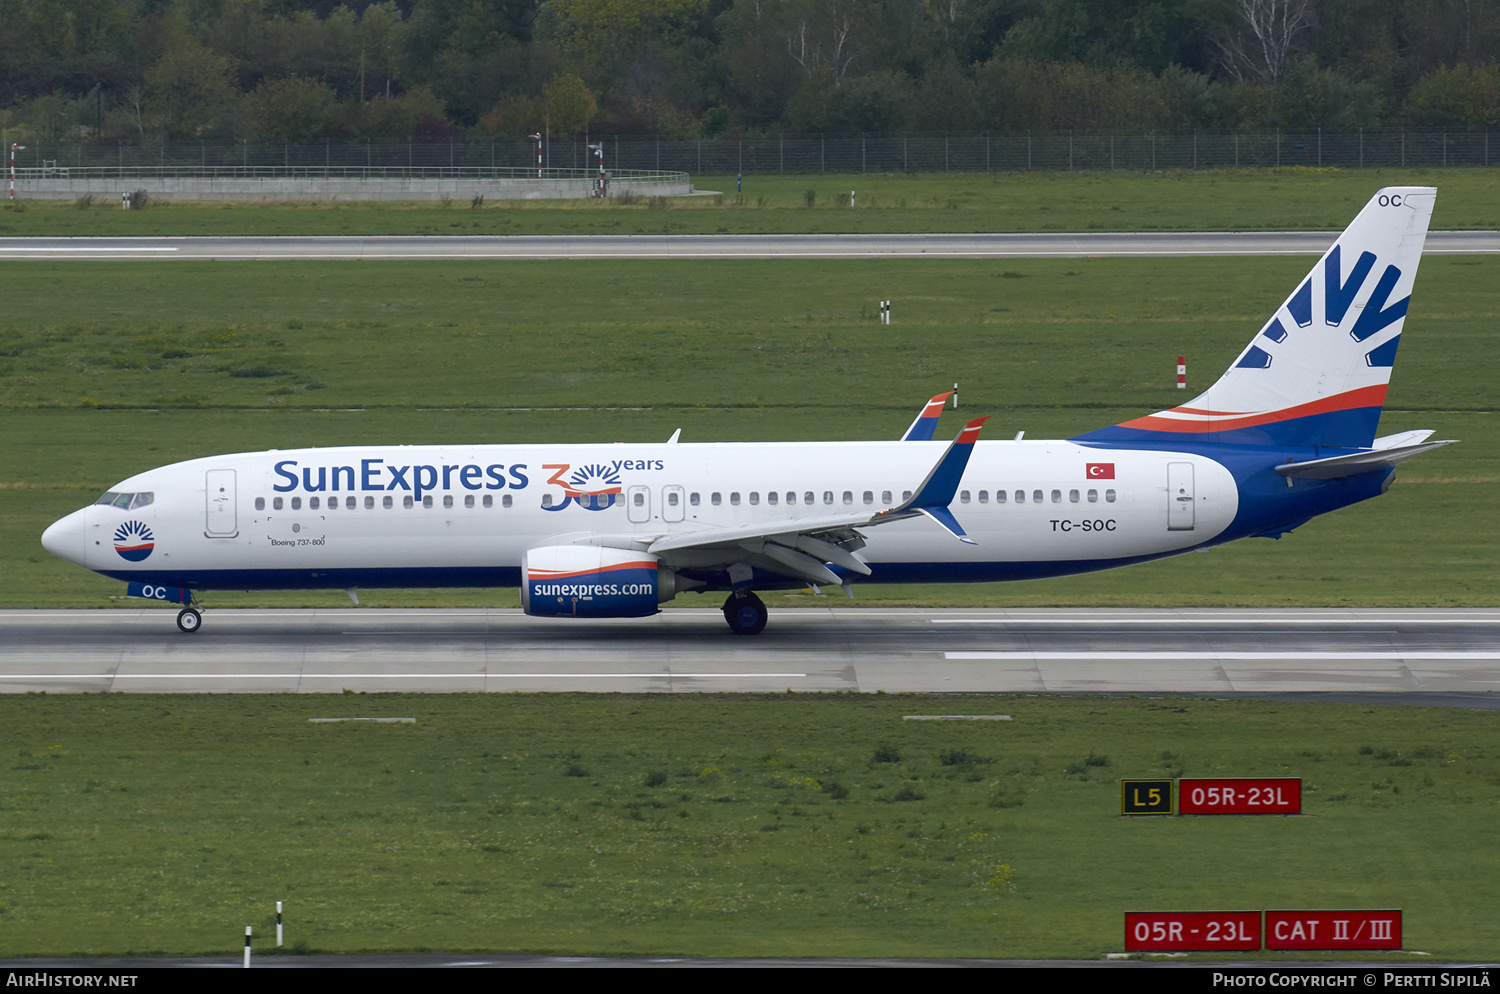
[459, 515]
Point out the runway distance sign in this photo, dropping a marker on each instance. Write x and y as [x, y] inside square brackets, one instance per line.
[1271, 796]
[1331, 930]
[1191, 931]
[1145, 797]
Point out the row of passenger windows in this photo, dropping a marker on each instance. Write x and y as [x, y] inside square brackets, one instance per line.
[868, 497]
[351, 502]
[715, 499]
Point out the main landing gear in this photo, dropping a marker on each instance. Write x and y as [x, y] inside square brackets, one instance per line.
[189, 619]
[745, 613]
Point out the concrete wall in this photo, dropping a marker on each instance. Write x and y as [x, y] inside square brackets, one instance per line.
[324, 188]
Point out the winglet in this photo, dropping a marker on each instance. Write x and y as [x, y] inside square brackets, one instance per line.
[945, 517]
[942, 483]
[922, 428]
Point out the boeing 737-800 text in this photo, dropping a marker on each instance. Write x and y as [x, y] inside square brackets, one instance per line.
[600, 531]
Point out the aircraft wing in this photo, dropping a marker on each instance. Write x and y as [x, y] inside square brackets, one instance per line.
[800, 547]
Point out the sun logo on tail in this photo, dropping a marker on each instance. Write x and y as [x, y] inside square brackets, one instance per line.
[134, 541]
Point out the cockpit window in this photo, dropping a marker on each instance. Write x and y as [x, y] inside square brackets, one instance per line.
[126, 502]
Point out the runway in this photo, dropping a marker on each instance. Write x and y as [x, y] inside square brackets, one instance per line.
[1405, 656]
[912, 246]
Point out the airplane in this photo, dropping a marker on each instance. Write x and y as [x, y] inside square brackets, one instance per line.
[615, 530]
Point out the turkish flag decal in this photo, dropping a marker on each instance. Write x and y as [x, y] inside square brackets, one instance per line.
[1100, 470]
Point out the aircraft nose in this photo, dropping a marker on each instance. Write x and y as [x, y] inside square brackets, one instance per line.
[64, 538]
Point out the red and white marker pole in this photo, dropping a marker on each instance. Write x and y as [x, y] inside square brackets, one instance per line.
[1182, 372]
[13, 147]
[278, 923]
[247, 947]
[538, 139]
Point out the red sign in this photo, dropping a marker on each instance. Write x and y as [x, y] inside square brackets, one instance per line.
[1191, 931]
[1099, 470]
[1275, 796]
[1326, 930]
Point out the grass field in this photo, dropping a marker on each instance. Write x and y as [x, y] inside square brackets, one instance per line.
[110, 368]
[1210, 200]
[706, 825]
[742, 826]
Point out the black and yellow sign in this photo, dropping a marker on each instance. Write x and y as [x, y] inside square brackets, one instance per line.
[1145, 797]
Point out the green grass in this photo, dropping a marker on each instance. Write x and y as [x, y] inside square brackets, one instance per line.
[703, 825]
[1228, 200]
[107, 369]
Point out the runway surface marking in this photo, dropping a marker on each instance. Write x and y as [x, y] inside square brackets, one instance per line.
[1212, 654]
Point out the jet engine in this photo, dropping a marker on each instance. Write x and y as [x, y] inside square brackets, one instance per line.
[592, 581]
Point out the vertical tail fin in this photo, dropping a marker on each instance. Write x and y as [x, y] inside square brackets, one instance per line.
[1316, 374]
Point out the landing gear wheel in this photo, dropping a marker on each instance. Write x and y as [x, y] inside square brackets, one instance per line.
[745, 613]
[189, 620]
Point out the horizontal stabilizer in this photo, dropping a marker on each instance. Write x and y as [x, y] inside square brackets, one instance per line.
[1357, 463]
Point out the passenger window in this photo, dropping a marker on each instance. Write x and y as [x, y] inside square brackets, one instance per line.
[693, 498]
[848, 497]
[754, 497]
[407, 503]
[546, 500]
[828, 496]
[489, 500]
[312, 503]
[885, 496]
[387, 503]
[809, 498]
[260, 503]
[734, 497]
[506, 501]
[1036, 496]
[638, 499]
[369, 503]
[984, 496]
[296, 503]
[869, 496]
[772, 498]
[447, 500]
[1093, 496]
[1072, 496]
[905, 496]
[1000, 496]
[963, 496]
[1109, 496]
[1020, 496]
[349, 502]
[673, 499]
[791, 496]
[715, 499]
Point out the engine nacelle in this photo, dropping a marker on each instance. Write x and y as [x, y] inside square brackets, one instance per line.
[589, 581]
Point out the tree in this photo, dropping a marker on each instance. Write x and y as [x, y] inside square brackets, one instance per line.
[189, 87]
[1261, 49]
[289, 110]
[570, 105]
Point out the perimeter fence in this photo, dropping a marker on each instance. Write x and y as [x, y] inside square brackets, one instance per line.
[914, 152]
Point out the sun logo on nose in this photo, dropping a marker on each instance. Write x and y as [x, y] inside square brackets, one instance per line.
[134, 541]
